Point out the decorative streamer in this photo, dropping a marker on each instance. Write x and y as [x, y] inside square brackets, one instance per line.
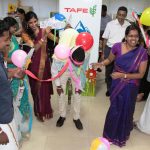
[29, 73]
[68, 64]
[76, 80]
[141, 27]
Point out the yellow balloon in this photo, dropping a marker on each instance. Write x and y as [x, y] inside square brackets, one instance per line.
[68, 37]
[95, 144]
[145, 17]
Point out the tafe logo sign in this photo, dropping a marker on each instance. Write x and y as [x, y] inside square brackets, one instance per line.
[91, 10]
[76, 10]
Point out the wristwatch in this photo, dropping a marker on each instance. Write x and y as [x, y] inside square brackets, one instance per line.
[125, 76]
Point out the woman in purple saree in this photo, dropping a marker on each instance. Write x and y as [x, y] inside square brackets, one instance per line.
[130, 65]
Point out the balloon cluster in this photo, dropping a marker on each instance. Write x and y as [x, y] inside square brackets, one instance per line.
[71, 48]
[71, 38]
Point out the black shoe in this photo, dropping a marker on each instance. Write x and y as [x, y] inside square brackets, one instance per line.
[78, 124]
[107, 94]
[60, 121]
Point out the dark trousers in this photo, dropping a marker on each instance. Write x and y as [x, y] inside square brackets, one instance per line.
[108, 68]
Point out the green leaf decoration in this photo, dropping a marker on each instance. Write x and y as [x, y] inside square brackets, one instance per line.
[93, 10]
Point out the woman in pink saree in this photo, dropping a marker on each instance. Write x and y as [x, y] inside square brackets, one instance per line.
[130, 64]
[40, 66]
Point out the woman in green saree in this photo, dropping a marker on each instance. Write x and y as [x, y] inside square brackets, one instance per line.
[22, 107]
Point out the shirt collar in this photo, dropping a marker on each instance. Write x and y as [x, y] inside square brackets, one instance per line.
[117, 22]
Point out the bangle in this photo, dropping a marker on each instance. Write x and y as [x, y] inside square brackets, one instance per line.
[1, 131]
[125, 76]
[42, 40]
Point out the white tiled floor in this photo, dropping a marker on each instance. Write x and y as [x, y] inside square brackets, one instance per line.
[46, 136]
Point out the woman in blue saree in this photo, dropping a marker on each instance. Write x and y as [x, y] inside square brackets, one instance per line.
[130, 64]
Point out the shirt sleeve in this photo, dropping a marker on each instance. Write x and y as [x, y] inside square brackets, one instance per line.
[115, 49]
[106, 32]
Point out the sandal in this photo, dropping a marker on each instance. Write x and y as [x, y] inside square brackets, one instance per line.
[40, 118]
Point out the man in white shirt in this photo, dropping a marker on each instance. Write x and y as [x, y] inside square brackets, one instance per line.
[114, 32]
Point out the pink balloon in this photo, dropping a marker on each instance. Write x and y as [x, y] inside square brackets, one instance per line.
[62, 51]
[105, 142]
[18, 58]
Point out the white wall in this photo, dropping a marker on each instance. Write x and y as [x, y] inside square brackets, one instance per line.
[40, 7]
[0, 10]
[136, 5]
[43, 7]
